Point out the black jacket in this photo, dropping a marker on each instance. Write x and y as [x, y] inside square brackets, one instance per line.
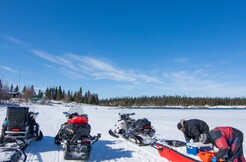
[193, 129]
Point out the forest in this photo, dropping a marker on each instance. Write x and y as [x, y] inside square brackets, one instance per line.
[57, 93]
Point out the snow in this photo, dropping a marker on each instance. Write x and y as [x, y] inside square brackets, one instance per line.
[108, 148]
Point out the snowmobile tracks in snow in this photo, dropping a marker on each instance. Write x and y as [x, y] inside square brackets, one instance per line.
[32, 151]
[143, 151]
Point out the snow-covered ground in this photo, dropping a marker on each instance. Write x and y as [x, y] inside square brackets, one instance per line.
[110, 149]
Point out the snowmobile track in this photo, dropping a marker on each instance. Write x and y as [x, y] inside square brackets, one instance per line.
[32, 151]
[58, 154]
[142, 150]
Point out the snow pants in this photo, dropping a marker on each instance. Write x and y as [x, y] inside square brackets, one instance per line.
[236, 150]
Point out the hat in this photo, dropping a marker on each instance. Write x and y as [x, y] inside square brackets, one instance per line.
[179, 126]
[204, 138]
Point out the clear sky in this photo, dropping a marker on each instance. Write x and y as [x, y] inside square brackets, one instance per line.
[118, 48]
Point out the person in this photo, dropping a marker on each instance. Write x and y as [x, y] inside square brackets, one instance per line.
[192, 129]
[33, 125]
[228, 140]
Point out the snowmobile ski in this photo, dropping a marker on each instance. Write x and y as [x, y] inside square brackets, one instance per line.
[113, 134]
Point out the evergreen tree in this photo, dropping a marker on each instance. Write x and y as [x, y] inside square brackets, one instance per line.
[63, 94]
[80, 95]
[59, 93]
[68, 97]
[16, 89]
[87, 97]
[28, 92]
[94, 99]
[40, 94]
[47, 93]
[11, 88]
[24, 89]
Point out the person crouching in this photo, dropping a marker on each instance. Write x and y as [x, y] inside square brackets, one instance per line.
[228, 140]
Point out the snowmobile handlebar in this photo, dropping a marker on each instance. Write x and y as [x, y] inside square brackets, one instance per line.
[70, 115]
[128, 114]
[125, 116]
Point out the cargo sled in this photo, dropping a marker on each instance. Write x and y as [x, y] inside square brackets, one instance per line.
[177, 151]
[18, 130]
[139, 131]
[74, 135]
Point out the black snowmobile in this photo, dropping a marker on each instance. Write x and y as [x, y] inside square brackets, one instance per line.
[74, 135]
[138, 131]
[18, 130]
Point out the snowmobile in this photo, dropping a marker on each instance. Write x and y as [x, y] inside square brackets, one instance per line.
[18, 130]
[74, 135]
[138, 131]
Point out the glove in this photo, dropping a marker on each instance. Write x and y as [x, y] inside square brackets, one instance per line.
[214, 159]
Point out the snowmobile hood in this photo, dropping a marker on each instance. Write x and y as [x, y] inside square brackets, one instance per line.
[79, 120]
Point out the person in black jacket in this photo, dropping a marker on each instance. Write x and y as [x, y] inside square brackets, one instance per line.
[192, 129]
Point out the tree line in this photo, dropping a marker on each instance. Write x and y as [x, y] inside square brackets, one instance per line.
[57, 93]
[54, 93]
[172, 101]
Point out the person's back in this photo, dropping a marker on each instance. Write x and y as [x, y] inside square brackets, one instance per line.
[193, 128]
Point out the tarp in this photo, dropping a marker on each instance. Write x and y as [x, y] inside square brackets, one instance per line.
[36, 99]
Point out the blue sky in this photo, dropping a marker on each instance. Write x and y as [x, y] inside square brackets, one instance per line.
[126, 48]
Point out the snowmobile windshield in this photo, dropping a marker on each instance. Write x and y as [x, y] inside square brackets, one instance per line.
[125, 114]
[32, 109]
[76, 109]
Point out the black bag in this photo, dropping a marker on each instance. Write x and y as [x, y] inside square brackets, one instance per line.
[71, 129]
[140, 123]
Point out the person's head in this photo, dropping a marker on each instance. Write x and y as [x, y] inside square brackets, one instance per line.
[181, 125]
[205, 138]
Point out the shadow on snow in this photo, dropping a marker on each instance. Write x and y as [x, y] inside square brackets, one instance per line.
[101, 151]
[34, 149]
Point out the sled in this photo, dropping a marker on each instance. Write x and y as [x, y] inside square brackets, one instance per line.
[168, 150]
[12, 152]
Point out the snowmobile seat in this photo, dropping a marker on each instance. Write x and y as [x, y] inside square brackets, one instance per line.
[82, 130]
[143, 124]
[17, 117]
